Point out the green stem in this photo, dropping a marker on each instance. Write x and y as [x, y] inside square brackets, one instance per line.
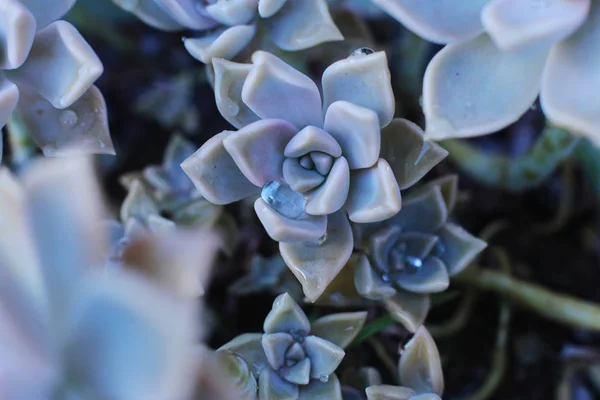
[513, 173]
[554, 306]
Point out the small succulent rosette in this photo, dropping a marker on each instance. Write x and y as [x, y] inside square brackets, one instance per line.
[317, 163]
[514, 49]
[167, 190]
[295, 359]
[413, 254]
[70, 328]
[230, 25]
[419, 372]
[46, 80]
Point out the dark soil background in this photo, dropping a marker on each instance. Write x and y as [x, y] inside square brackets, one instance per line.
[566, 261]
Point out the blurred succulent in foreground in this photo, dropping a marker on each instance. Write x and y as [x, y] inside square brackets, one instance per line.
[513, 49]
[71, 328]
[317, 163]
[414, 253]
[46, 81]
[230, 25]
[419, 372]
[295, 359]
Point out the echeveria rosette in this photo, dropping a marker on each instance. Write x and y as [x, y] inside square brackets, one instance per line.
[56, 299]
[48, 71]
[419, 372]
[323, 157]
[501, 55]
[230, 25]
[413, 254]
[294, 359]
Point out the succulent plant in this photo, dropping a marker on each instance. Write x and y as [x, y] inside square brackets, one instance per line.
[230, 25]
[317, 163]
[419, 371]
[294, 359]
[66, 320]
[164, 190]
[414, 253]
[513, 49]
[48, 71]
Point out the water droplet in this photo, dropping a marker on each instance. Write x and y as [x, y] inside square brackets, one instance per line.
[413, 264]
[324, 378]
[283, 199]
[363, 51]
[385, 277]
[68, 118]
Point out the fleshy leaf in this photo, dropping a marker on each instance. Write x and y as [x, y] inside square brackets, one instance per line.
[81, 128]
[459, 248]
[299, 373]
[339, 329]
[61, 66]
[431, 277]
[374, 194]
[410, 309]
[333, 193]
[138, 203]
[299, 178]
[188, 13]
[425, 212]
[64, 193]
[18, 27]
[238, 375]
[286, 316]
[420, 366]
[440, 22]
[401, 145]
[224, 43]
[121, 311]
[9, 97]
[312, 138]
[257, 149]
[324, 356]
[302, 24]
[389, 392]
[472, 88]
[570, 79]
[315, 265]
[418, 244]
[229, 79]
[318, 390]
[275, 346]
[273, 89]
[233, 12]
[356, 129]
[150, 13]
[249, 347]
[268, 8]
[520, 25]
[272, 387]
[283, 229]
[368, 284]
[363, 80]
[46, 12]
[215, 174]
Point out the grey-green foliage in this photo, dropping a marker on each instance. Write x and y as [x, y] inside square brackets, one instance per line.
[62, 111]
[294, 359]
[413, 254]
[419, 372]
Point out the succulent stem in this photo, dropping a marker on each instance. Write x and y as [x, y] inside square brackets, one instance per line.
[514, 174]
[557, 307]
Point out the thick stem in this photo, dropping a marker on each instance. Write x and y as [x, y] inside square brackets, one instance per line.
[557, 307]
